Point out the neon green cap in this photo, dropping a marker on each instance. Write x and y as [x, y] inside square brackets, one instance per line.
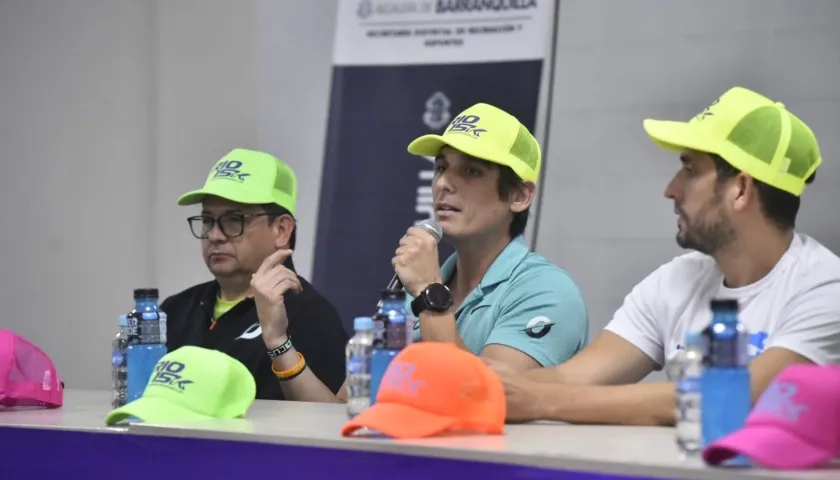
[754, 134]
[489, 133]
[249, 177]
[192, 384]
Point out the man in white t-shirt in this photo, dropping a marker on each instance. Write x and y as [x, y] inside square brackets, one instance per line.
[745, 162]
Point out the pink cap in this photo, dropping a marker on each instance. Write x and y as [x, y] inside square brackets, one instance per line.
[27, 375]
[794, 425]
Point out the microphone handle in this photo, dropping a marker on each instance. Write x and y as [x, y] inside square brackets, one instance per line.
[395, 283]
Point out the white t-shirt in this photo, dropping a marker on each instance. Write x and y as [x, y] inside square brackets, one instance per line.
[795, 306]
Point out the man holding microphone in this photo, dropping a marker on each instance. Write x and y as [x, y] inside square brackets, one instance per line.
[492, 297]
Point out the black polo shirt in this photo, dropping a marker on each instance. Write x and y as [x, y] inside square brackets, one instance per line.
[314, 326]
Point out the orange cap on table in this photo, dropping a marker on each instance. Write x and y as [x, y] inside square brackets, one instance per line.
[432, 388]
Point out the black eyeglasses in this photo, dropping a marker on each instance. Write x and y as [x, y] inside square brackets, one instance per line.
[231, 224]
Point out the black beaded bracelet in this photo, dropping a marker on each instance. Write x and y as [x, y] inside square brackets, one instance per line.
[287, 345]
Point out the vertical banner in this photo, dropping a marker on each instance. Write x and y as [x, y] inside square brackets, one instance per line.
[403, 69]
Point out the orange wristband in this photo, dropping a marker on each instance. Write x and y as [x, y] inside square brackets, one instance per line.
[292, 372]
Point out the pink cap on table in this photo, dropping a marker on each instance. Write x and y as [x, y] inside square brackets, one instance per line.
[27, 375]
[794, 425]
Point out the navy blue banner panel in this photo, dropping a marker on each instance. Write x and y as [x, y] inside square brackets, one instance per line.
[399, 75]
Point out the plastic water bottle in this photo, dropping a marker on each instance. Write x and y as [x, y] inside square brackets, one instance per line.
[119, 345]
[149, 345]
[725, 395]
[390, 335]
[689, 375]
[358, 366]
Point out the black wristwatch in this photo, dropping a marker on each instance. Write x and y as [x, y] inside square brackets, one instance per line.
[435, 297]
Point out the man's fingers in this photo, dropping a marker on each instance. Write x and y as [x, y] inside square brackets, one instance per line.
[276, 258]
[283, 279]
[274, 283]
[283, 286]
[420, 233]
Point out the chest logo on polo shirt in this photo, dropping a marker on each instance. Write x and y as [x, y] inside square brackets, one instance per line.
[251, 332]
[538, 327]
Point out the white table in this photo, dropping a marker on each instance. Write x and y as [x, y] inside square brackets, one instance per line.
[618, 452]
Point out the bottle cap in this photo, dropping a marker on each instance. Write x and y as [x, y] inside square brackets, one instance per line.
[724, 304]
[362, 323]
[145, 293]
[393, 294]
[123, 320]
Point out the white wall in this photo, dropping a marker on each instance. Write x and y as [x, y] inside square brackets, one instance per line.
[154, 92]
[604, 216]
[76, 145]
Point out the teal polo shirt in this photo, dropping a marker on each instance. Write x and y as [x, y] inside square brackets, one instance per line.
[524, 302]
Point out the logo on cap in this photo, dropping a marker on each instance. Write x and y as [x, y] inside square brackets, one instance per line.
[778, 401]
[169, 374]
[707, 112]
[400, 378]
[467, 125]
[230, 170]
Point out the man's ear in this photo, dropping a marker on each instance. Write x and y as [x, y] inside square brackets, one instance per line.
[521, 198]
[283, 227]
[742, 191]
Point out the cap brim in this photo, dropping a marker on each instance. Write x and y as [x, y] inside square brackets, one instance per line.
[678, 136]
[769, 446]
[238, 195]
[430, 145]
[154, 410]
[398, 421]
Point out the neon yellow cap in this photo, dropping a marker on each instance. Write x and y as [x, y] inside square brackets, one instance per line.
[754, 134]
[249, 177]
[192, 384]
[489, 133]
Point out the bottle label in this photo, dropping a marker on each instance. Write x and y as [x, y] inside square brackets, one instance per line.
[688, 385]
[162, 327]
[133, 328]
[116, 359]
[149, 328]
[355, 365]
[380, 327]
[396, 335]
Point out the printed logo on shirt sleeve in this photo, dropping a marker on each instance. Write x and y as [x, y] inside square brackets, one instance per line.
[538, 327]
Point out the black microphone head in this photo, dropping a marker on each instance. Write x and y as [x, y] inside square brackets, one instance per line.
[433, 228]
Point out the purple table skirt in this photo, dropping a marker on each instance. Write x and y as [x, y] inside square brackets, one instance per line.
[29, 453]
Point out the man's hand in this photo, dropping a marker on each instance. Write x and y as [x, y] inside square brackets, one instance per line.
[520, 393]
[271, 281]
[416, 261]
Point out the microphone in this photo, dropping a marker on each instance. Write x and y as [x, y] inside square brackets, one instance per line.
[435, 231]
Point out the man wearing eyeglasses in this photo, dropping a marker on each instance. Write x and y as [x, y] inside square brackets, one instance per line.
[247, 232]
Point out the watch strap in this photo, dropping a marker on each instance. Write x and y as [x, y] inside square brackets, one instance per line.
[418, 304]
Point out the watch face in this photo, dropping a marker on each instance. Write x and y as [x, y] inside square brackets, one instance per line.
[438, 296]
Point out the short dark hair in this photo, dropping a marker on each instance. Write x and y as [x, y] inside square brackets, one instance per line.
[509, 182]
[276, 211]
[779, 206]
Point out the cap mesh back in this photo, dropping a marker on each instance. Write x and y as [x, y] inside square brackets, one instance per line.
[525, 148]
[758, 133]
[802, 151]
[283, 181]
